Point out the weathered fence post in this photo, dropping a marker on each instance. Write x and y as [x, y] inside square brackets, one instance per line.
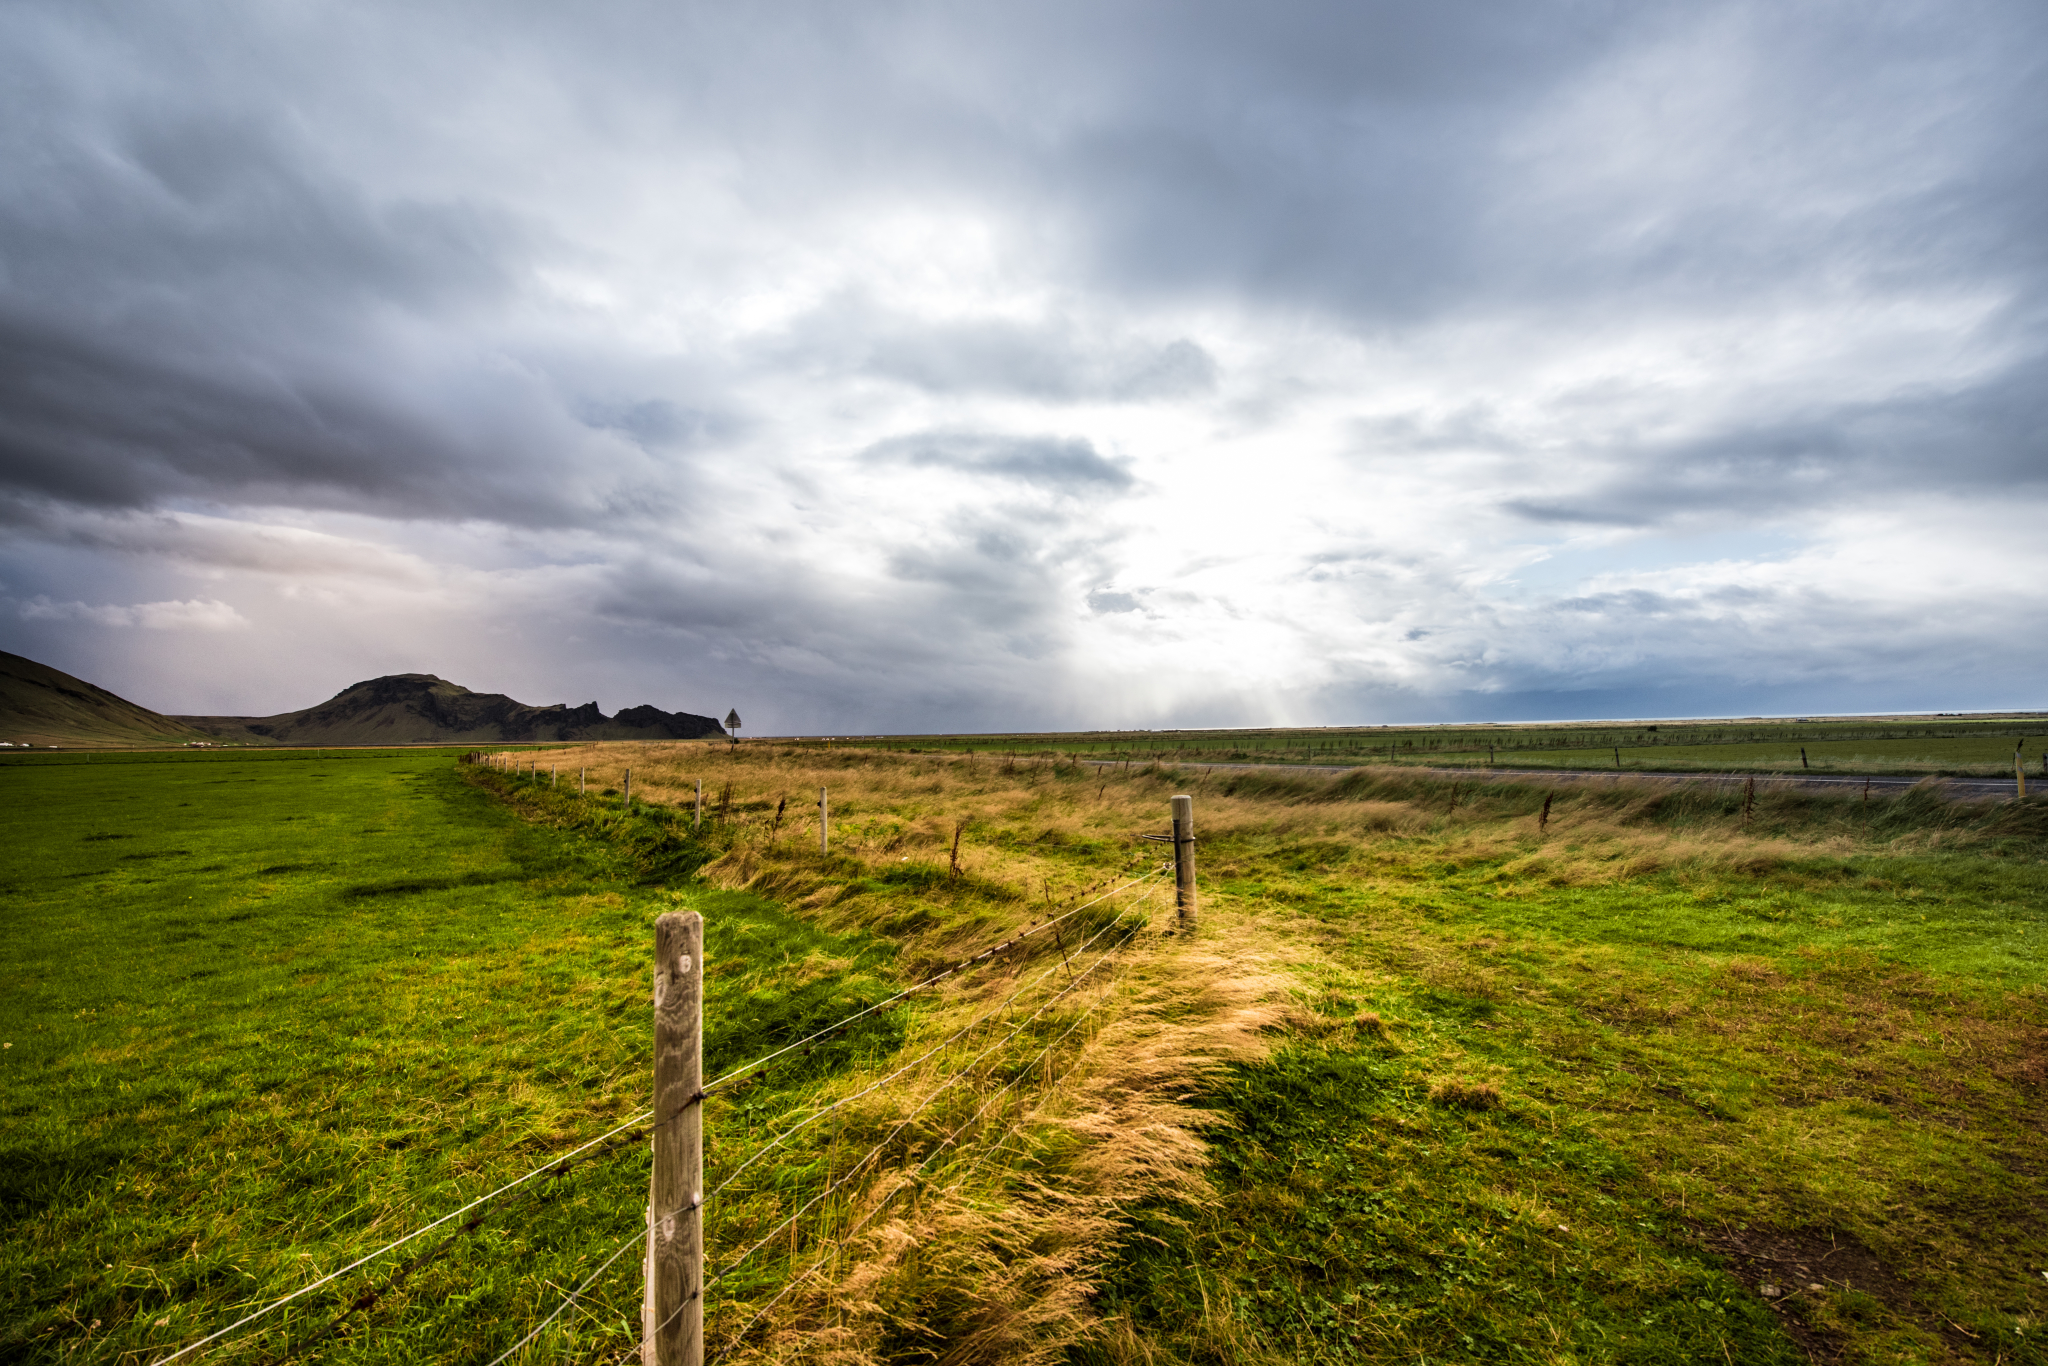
[628, 798]
[1184, 862]
[672, 1313]
[697, 821]
[824, 823]
[582, 781]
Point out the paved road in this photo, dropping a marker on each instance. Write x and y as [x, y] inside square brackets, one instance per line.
[1974, 789]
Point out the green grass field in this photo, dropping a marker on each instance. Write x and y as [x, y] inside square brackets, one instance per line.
[1651, 1083]
[264, 1013]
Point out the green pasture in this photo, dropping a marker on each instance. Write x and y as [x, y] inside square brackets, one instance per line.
[1536, 1098]
[263, 1013]
[1937, 755]
[1536, 1114]
[1918, 746]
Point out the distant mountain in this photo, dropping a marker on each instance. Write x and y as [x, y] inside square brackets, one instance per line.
[412, 709]
[40, 705]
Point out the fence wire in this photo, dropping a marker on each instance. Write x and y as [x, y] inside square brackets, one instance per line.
[642, 1117]
[943, 1044]
[396, 1243]
[930, 981]
[959, 1075]
[574, 1295]
[950, 1140]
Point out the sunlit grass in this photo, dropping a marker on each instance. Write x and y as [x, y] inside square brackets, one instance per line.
[1443, 1076]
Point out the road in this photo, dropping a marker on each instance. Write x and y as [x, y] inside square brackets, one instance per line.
[1970, 789]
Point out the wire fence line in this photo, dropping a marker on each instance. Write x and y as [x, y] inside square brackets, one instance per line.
[958, 1075]
[930, 981]
[555, 1164]
[397, 1243]
[943, 1044]
[574, 1295]
[910, 1177]
[559, 1164]
[1077, 978]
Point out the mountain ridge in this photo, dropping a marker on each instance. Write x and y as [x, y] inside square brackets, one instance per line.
[44, 706]
[401, 709]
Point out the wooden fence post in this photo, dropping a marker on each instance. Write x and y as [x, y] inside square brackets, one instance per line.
[672, 1312]
[824, 822]
[1184, 862]
[582, 781]
[697, 821]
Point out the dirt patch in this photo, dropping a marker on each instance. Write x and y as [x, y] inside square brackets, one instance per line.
[1801, 1265]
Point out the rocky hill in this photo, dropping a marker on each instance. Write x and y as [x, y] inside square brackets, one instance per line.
[411, 709]
[40, 705]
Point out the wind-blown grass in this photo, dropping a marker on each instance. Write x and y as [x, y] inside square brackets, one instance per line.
[1431, 1082]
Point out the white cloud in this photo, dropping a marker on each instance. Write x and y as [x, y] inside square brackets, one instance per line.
[191, 615]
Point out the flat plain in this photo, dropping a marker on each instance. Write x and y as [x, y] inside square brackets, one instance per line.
[1915, 746]
[1444, 1075]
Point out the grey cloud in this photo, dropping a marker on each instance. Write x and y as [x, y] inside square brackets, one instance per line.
[1634, 603]
[658, 424]
[1992, 435]
[1057, 464]
[1051, 362]
[311, 257]
[1565, 514]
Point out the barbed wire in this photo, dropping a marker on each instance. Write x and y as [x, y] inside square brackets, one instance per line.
[643, 1116]
[1073, 984]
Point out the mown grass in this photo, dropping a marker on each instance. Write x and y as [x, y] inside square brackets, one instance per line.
[1448, 1074]
[263, 1016]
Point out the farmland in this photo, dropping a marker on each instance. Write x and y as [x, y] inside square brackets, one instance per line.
[1446, 1074]
[1917, 746]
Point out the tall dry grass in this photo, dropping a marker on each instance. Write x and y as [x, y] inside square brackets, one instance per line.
[1003, 1177]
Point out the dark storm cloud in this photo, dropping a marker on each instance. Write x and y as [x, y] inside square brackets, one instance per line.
[616, 273]
[191, 286]
[189, 313]
[1984, 439]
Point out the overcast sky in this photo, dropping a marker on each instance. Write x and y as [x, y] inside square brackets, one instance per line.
[904, 366]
